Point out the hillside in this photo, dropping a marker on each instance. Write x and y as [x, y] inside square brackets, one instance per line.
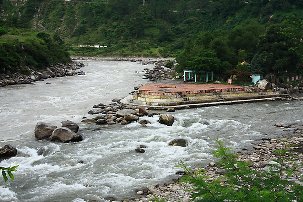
[22, 50]
[218, 34]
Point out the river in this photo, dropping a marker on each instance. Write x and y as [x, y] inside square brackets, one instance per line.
[105, 163]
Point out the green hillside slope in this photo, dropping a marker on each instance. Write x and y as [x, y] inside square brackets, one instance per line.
[219, 34]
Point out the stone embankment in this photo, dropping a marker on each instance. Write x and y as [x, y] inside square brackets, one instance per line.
[59, 70]
[260, 155]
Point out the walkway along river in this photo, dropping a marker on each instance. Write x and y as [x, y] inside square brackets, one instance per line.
[105, 163]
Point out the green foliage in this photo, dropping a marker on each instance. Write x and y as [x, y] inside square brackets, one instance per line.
[20, 49]
[7, 172]
[242, 183]
[217, 35]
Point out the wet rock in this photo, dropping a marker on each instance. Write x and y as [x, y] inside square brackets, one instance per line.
[142, 146]
[143, 111]
[144, 122]
[95, 111]
[41, 151]
[140, 150]
[110, 198]
[99, 106]
[101, 121]
[166, 119]
[7, 151]
[170, 110]
[143, 191]
[111, 122]
[131, 118]
[178, 142]
[71, 125]
[44, 130]
[116, 100]
[88, 121]
[65, 135]
[206, 123]
[124, 112]
[124, 122]
[181, 172]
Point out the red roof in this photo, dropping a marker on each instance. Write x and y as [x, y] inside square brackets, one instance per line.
[183, 88]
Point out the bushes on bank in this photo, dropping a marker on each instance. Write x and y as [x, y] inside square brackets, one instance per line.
[240, 182]
[22, 49]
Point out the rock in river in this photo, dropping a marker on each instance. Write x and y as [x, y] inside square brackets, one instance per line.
[124, 112]
[44, 130]
[65, 135]
[131, 118]
[178, 142]
[166, 119]
[71, 125]
[7, 151]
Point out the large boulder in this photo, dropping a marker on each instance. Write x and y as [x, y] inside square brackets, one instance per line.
[178, 142]
[131, 118]
[44, 130]
[65, 135]
[71, 125]
[7, 151]
[166, 119]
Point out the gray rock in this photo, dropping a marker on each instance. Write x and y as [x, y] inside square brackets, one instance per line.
[131, 118]
[116, 100]
[44, 130]
[7, 151]
[170, 110]
[95, 111]
[142, 111]
[140, 150]
[71, 125]
[166, 119]
[144, 122]
[65, 135]
[101, 121]
[124, 122]
[124, 112]
[178, 142]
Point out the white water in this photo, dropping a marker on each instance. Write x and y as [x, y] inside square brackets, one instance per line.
[105, 163]
[22, 106]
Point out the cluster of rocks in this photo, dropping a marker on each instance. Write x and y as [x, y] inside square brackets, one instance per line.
[120, 113]
[66, 133]
[58, 70]
[260, 156]
[159, 72]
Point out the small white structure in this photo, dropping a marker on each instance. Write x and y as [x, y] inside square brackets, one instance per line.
[255, 78]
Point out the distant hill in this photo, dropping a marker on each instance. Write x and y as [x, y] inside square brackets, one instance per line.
[157, 27]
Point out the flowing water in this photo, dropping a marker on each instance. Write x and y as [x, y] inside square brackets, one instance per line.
[105, 163]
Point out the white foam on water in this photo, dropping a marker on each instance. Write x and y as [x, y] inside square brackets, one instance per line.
[7, 195]
[56, 189]
[78, 200]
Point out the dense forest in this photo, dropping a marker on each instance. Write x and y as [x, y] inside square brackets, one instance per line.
[226, 36]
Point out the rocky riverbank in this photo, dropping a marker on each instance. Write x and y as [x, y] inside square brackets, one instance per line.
[52, 71]
[260, 155]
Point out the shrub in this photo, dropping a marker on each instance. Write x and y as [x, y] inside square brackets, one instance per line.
[242, 183]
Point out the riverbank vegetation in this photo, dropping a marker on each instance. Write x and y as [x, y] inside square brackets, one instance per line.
[21, 49]
[238, 181]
